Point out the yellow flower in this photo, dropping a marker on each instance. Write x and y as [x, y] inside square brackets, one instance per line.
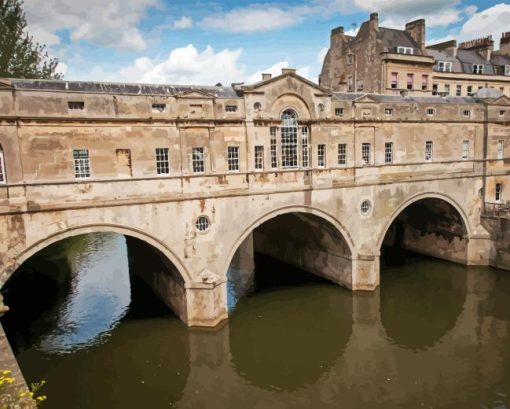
[6, 372]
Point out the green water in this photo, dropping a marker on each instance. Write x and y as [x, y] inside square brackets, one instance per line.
[435, 335]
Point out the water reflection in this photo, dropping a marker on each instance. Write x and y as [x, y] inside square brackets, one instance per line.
[434, 335]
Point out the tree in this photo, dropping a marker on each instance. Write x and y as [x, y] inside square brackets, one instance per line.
[20, 57]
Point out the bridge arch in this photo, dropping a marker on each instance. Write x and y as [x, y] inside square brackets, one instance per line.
[318, 214]
[416, 198]
[15, 259]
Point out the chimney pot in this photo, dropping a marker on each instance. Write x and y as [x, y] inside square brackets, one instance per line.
[266, 76]
[288, 71]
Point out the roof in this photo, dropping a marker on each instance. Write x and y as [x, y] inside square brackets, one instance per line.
[488, 93]
[393, 38]
[121, 88]
[351, 96]
[470, 57]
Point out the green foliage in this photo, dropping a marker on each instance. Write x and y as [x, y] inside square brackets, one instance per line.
[12, 397]
[20, 57]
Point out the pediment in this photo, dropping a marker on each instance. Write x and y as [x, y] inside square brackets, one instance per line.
[294, 78]
[502, 101]
[366, 99]
[195, 94]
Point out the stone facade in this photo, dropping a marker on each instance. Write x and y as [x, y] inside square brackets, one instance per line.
[391, 61]
[283, 167]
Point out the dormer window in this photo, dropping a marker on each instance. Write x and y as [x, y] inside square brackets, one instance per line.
[444, 66]
[158, 107]
[404, 50]
[477, 68]
[231, 108]
[76, 105]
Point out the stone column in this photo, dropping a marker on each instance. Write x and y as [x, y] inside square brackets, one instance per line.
[365, 272]
[206, 300]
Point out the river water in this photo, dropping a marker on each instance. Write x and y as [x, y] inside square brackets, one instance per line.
[435, 335]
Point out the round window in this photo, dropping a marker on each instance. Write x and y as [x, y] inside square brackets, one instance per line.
[202, 223]
[257, 106]
[365, 206]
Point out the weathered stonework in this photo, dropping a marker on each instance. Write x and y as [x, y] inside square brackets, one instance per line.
[309, 214]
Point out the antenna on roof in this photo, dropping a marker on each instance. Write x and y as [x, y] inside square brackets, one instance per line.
[354, 25]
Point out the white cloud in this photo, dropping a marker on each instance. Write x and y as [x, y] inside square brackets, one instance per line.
[108, 24]
[256, 17]
[183, 23]
[493, 20]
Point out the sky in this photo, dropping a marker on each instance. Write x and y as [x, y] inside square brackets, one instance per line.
[209, 42]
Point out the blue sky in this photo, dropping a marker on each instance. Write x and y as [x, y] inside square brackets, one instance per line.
[205, 42]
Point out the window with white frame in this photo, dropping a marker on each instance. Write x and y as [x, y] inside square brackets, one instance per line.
[447, 89]
[388, 152]
[465, 150]
[394, 80]
[162, 162]
[321, 155]
[259, 157]
[404, 50]
[231, 108]
[424, 82]
[410, 81]
[359, 85]
[339, 111]
[365, 153]
[388, 111]
[466, 113]
[500, 149]
[305, 148]
[469, 90]
[498, 191]
[458, 91]
[274, 153]
[477, 68]
[2, 167]
[76, 105]
[429, 147]
[431, 111]
[233, 158]
[197, 160]
[289, 139]
[158, 107]
[507, 69]
[342, 154]
[435, 88]
[444, 66]
[81, 163]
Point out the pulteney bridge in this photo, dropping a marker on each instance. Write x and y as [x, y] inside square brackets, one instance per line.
[209, 175]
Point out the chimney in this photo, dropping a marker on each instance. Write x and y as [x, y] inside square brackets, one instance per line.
[504, 44]
[288, 71]
[374, 21]
[484, 46]
[266, 76]
[416, 30]
[337, 37]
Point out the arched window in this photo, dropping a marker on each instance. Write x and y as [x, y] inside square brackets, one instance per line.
[3, 179]
[289, 139]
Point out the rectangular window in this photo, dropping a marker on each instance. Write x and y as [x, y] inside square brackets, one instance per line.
[158, 107]
[321, 155]
[349, 59]
[388, 111]
[2, 168]
[424, 82]
[477, 68]
[507, 69]
[81, 163]
[339, 111]
[388, 152]
[233, 158]
[162, 163]
[342, 154]
[274, 153]
[365, 153]
[359, 85]
[469, 90]
[466, 113]
[428, 151]
[259, 157]
[499, 190]
[305, 149]
[231, 108]
[447, 89]
[444, 66]
[123, 162]
[458, 91]
[465, 150]
[500, 149]
[434, 89]
[197, 160]
[289, 146]
[404, 50]
[410, 81]
[502, 112]
[431, 112]
[394, 80]
[349, 84]
[76, 105]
